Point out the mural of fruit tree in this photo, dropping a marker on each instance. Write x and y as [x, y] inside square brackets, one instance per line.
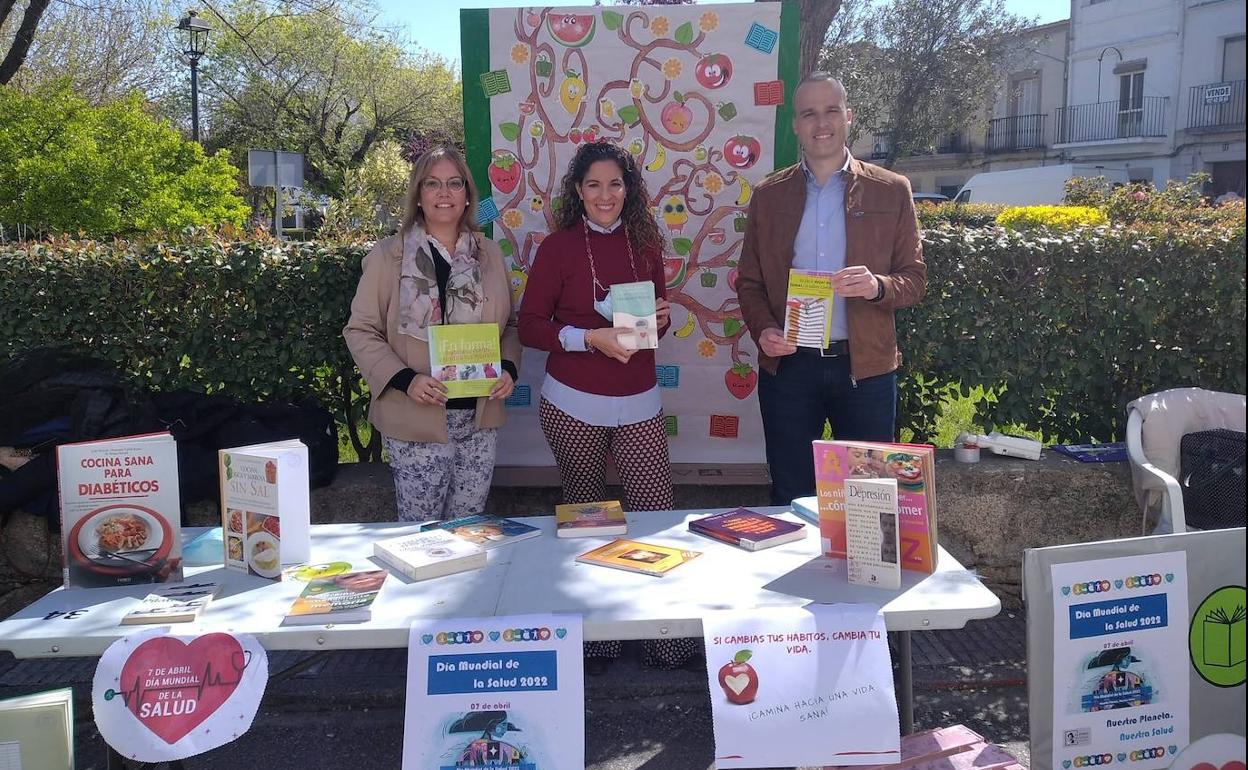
[696, 93]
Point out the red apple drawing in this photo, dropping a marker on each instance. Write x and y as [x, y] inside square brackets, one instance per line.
[739, 679]
[504, 171]
[742, 151]
[713, 71]
[676, 117]
[741, 380]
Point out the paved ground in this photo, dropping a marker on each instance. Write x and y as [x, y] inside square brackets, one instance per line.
[346, 710]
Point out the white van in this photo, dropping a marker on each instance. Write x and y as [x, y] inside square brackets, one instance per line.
[1036, 186]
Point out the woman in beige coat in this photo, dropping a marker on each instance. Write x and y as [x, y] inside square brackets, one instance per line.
[438, 269]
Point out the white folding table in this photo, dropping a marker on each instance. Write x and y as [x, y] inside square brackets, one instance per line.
[532, 576]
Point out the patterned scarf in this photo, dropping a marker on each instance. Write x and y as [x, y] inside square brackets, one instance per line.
[419, 306]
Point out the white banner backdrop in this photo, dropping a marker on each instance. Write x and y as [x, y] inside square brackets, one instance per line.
[692, 92]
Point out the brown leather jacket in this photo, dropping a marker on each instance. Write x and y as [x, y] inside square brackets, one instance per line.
[881, 232]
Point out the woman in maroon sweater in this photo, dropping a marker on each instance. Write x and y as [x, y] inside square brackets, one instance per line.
[599, 397]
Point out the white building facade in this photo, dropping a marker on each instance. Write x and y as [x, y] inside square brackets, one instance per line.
[1155, 87]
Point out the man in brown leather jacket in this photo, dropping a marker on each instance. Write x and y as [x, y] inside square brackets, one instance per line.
[830, 213]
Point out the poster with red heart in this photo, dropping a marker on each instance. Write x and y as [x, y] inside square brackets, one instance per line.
[159, 697]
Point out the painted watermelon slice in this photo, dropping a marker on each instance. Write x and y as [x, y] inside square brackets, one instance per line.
[673, 271]
[572, 29]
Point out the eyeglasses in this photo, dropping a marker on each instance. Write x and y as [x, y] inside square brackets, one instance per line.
[433, 185]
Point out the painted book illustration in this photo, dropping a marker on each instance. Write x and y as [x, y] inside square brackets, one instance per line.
[808, 309]
[465, 358]
[633, 308]
[636, 556]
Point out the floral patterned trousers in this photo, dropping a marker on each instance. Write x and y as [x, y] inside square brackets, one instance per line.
[444, 481]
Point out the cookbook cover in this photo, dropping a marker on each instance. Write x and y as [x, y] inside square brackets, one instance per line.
[121, 518]
[265, 507]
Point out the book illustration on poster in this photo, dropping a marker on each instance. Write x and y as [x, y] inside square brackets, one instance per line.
[871, 533]
[808, 309]
[344, 598]
[486, 531]
[913, 466]
[633, 308]
[430, 554]
[37, 731]
[172, 603]
[748, 529]
[466, 358]
[121, 516]
[599, 519]
[636, 556]
[265, 507]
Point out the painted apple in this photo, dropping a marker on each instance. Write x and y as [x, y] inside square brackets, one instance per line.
[742, 151]
[713, 71]
[572, 29]
[732, 278]
[739, 679]
[504, 171]
[676, 116]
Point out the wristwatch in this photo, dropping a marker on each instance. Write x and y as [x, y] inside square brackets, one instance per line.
[879, 293]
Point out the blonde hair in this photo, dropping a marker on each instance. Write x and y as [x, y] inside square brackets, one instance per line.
[412, 215]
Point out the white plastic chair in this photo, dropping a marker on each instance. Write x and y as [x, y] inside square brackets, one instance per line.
[1155, 425]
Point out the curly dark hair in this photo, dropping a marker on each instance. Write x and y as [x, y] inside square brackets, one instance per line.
[638, 220]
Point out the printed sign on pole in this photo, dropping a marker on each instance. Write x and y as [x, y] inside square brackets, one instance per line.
[801, 686]
[1120, 679]
[506, 692]
[159, 697]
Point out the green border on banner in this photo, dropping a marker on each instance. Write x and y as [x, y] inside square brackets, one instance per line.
[790, 56]
[474, 53]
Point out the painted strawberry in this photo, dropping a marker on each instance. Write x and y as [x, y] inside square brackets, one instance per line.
[504, 171]
[741, 380]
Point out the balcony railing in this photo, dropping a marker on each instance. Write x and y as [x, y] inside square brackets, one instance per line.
[954, 142]
[1014, 134]
[1216, 106]
[1106, 121]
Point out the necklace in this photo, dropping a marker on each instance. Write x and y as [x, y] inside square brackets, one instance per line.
[593, 272]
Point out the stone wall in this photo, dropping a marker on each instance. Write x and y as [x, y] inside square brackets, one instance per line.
[988, 513]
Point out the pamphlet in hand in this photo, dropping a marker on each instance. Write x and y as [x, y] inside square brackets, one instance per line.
[808, 309]
[633, 308]
[172, 603]
[121, 516]
[466, 358]
[345, 598]
[871, 533]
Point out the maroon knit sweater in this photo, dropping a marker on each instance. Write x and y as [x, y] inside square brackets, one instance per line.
[560, 292]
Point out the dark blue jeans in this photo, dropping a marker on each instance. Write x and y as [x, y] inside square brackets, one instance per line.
[804, 392]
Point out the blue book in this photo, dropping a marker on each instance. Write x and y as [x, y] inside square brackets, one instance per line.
[486, 531]
[1094, 453]
[807, 508]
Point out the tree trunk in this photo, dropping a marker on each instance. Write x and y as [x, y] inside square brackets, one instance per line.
[816, 17]
[24, 36]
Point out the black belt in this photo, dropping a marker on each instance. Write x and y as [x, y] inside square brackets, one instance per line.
[835, 349]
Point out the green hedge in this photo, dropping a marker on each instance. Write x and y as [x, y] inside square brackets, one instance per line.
[1066, 327]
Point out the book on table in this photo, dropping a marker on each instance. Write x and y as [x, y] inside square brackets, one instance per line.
[600, 519]
[121, 515]
[633, 308]
[345, 598]
[37, 731]
[266, 517]
[430, 554]
[466, 358]
[871, 540]
[172, 603]
[748, 529]
[808, 309]
[636, 556]
[806, 508]
[486, 531]
[913, 466]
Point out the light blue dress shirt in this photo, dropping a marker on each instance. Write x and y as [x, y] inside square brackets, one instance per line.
[820, 243]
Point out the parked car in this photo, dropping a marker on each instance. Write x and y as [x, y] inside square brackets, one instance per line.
[922, 197]
[1035, 186]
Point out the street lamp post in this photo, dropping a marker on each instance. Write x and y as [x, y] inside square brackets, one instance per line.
[196, 30]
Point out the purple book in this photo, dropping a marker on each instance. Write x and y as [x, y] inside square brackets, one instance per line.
[748, 529]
